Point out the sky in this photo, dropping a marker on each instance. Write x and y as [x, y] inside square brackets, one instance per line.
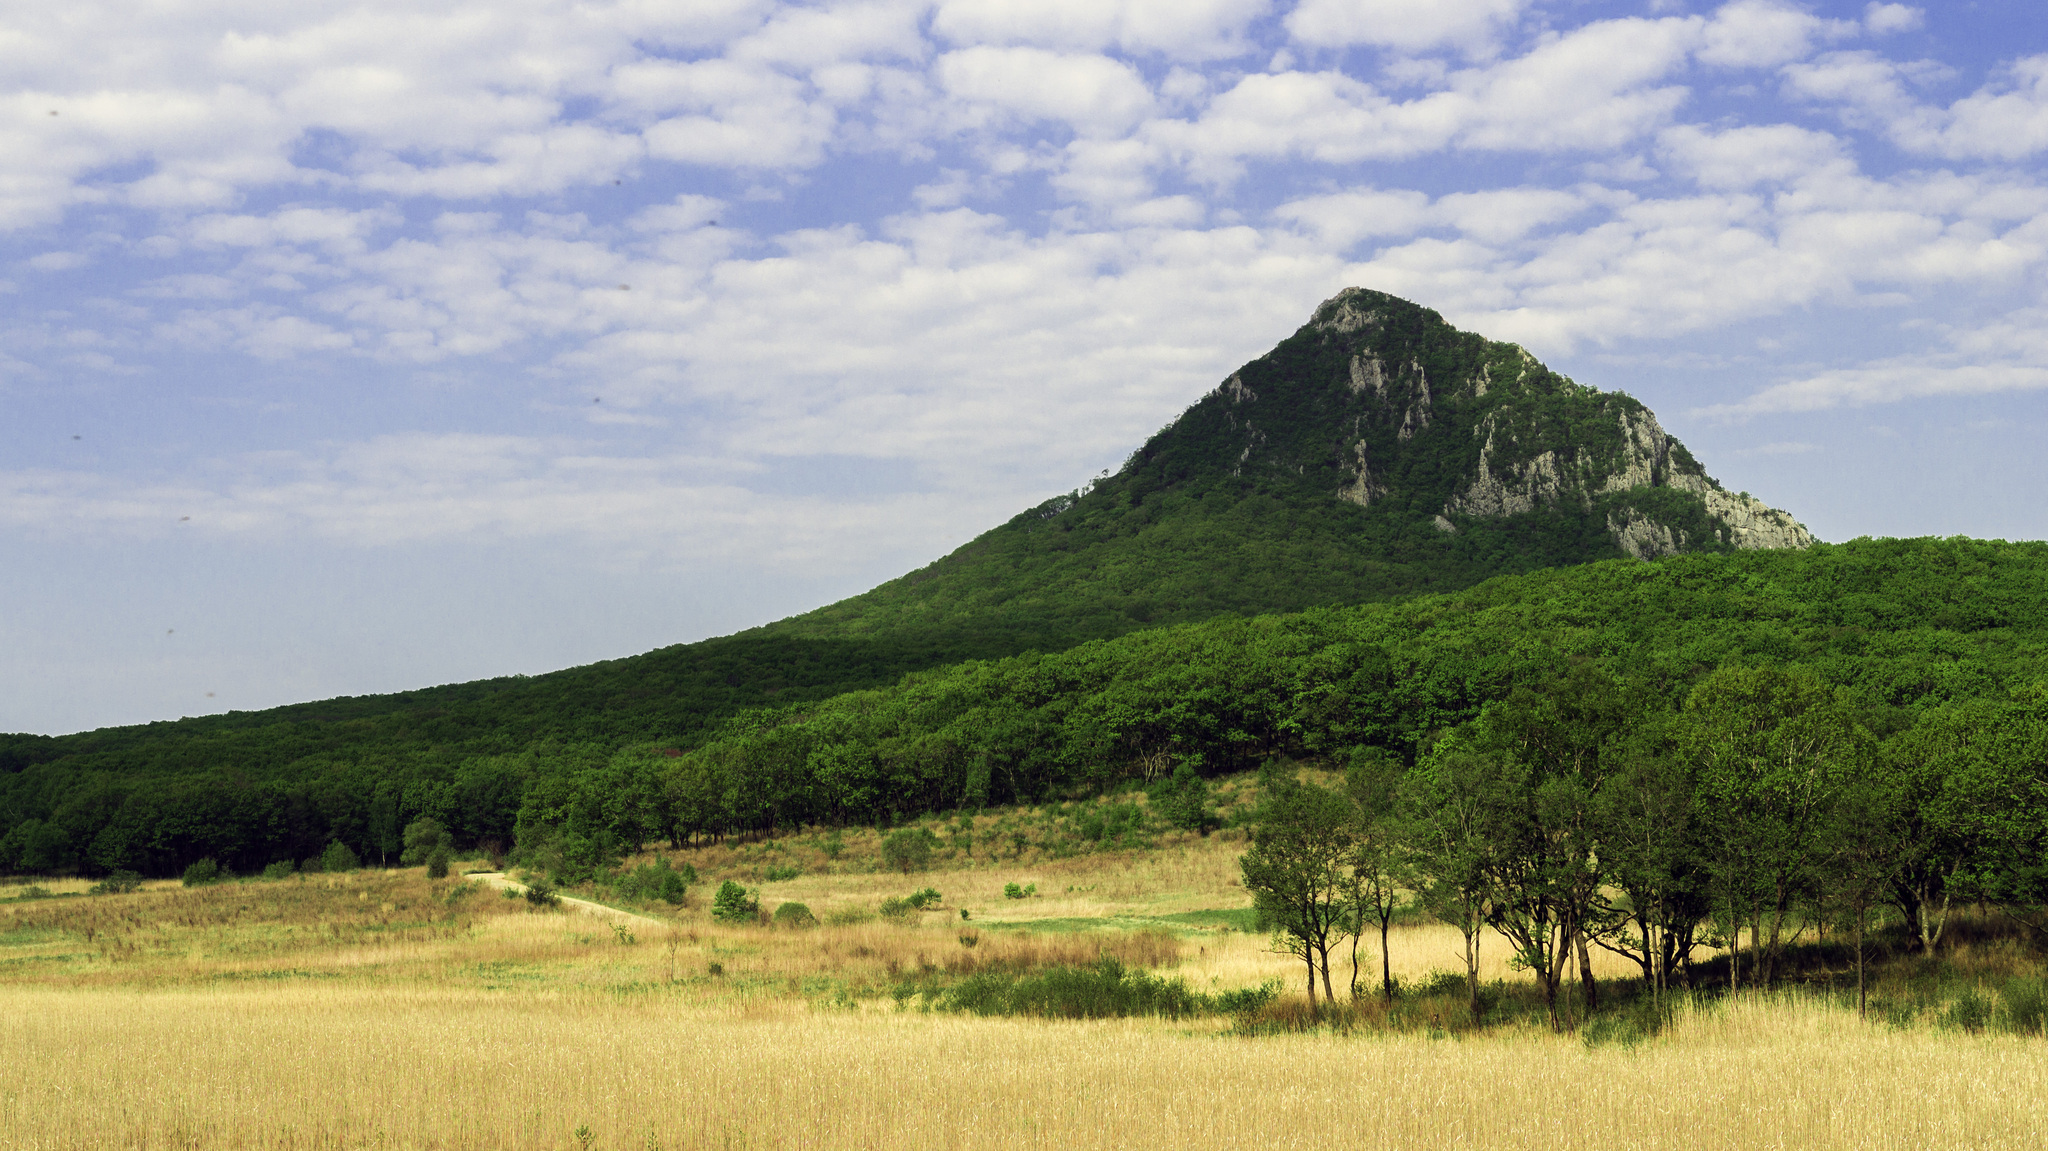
[349, 347]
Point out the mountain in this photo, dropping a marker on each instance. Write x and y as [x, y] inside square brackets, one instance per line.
[1376, 452]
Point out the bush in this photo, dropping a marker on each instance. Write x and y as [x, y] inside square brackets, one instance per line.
[542, 894]
[1183, 800]
[732, 904]
[118, 883]
[1970, 1013]
[1106, 990]
[929, 897]
[338, 857]
[423, 837]
[777, 873]
[794, 915]
[204, 872]
[894, 908]
[282, 869]
[437, 863]
[909, 849]
[657, 880]
[1012, 891]
[2026, 1006]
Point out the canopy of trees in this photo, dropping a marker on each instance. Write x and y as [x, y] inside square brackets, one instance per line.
[1762, 687]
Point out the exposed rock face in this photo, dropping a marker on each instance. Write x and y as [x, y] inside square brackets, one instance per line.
[1754, 524]
[1463, 431]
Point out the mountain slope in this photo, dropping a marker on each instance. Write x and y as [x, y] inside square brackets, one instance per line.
[1378, 451]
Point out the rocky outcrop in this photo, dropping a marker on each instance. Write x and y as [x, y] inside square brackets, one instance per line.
[1752, 523]
[1378, 403]
[1642, 537]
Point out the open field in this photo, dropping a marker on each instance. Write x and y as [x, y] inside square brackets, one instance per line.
[305, 1065]
[383, 1009]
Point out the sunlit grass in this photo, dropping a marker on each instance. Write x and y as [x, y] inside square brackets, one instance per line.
[386, 1009]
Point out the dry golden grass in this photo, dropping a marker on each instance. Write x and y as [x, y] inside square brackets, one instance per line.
[383, 1009]
[317, 1067]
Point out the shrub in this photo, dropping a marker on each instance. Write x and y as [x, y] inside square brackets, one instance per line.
[732, 904]
[423, 837]
[203, 872]
[118, 883]
[34, 891]
[1012, 891]
[1183, 800]
[339, 856]
[794, 915]
[541, 894]
[848, 916]
[894, 908]
[437, 863]
[833, 845]
[909, 849]
[779, 872]
[1970, 1013]
[929, 897]
[657, 880]
[282, 869]
[2026, 1006]
[1106, 990]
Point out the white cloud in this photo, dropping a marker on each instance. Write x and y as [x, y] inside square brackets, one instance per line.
[1342, 219]
[1177, 29]
[2006, 119]
[58, 261]
[1884, 19]
[1745, 157]
[1093, 95]
[1763, 34]
[1595, 88]
[734, 114]
[1407, 25]
[1888, 381]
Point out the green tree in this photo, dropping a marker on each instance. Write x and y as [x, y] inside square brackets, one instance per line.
[1379, 863]
[909, 849]
[733, 904]
[1183, 800]
[1295, 869]
[423, 837]
[1446, 803]
[1770, 745]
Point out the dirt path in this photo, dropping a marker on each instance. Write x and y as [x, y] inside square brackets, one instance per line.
[499, 879]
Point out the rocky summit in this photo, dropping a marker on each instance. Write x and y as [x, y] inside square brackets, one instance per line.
[1376, 452]
[1377, 396]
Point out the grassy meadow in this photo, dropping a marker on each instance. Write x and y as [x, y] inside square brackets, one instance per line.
[384, 1009]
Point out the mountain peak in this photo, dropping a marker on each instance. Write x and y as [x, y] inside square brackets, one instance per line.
[1376, 396]
[1378, 451]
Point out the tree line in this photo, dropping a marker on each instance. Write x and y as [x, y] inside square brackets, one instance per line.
[1574, 814]
[1905, 638]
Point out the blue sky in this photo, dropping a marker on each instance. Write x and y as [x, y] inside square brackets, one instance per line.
[351, 347]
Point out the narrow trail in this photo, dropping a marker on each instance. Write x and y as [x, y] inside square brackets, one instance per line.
[503, 882]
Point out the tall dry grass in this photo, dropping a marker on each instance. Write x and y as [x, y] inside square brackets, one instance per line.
[325, 1067]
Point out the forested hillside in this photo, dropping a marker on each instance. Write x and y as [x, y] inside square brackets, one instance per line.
[1896, 635]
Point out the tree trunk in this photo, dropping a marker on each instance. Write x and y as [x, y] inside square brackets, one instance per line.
[1308, 955]
[1354, 962]
[1862, 1004]
[1471, 970]
[1387, 968]
[1586, 973]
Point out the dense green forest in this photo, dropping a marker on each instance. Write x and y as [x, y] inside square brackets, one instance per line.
[1321, 475]
[1915, 648]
